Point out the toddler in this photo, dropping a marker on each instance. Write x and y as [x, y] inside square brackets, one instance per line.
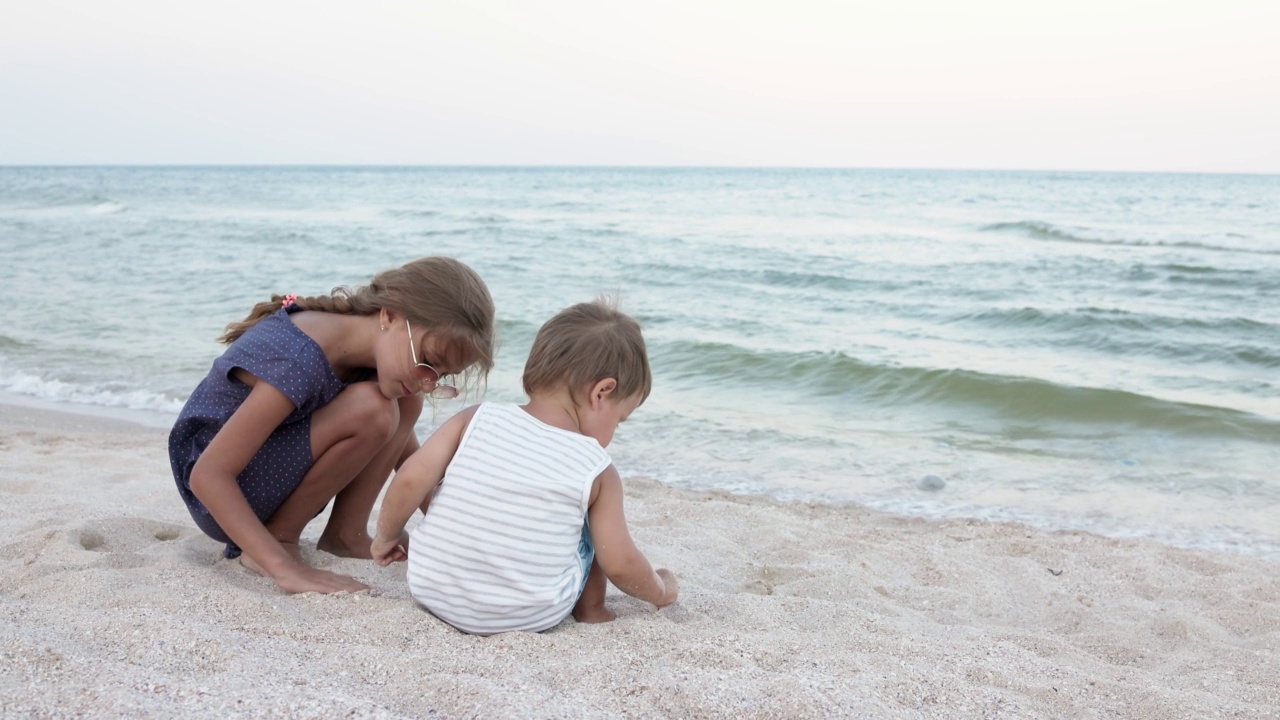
[524, 518]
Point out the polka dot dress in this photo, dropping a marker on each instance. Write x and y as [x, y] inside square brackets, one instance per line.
[276, 351]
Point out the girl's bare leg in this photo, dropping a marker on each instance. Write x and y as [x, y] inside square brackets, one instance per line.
[347, 534]
[591, 607]
[346, 435]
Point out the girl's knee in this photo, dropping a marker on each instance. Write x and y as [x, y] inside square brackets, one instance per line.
[368, 412]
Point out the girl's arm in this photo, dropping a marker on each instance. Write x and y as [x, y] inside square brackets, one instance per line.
[213, 480]
[622, 562]
[413, 484]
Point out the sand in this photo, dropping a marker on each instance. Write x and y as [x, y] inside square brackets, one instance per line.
[113, 604]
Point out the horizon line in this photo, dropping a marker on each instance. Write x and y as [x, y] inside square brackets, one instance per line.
[567, 166]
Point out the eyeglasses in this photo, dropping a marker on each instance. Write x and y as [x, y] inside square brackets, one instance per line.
[430, 379]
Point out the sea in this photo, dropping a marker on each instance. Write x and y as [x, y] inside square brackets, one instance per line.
[1075, 351]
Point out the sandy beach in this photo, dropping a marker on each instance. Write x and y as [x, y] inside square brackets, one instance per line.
[113, 604]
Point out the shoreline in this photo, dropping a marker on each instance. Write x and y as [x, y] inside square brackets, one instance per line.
[109, 419]
[115, 604]
[118, 419]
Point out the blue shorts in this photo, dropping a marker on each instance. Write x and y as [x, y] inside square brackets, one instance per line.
[586, 554]
[273, 474]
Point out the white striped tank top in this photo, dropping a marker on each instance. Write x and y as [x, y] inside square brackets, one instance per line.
[498, 548]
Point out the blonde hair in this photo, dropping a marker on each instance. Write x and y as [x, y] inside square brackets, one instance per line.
[438, 293]
[586, 343]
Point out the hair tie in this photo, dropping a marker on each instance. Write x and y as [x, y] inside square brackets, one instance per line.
[288, 300]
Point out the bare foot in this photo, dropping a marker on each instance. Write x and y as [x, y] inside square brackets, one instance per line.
[292, 548]
[352, 547]
[594, 614]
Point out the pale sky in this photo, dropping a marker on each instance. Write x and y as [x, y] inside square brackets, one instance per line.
[1036, 84]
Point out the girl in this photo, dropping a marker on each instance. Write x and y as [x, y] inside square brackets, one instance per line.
[315, 400]
[527, 523]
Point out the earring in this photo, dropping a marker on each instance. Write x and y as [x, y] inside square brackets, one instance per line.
[383, 328]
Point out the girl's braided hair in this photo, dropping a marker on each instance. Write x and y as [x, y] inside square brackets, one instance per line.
[438, 293]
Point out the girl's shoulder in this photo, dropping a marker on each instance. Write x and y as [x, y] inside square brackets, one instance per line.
[279, 352]
[274, 335]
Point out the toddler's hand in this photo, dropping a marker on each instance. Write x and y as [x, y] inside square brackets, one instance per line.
[672, 587]
[386, 551]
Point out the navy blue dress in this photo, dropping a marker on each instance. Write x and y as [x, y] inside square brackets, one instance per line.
[278, 352]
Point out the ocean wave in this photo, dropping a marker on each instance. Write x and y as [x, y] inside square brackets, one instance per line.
[21, 383]
[1124, 332]
[1086, 318]
[810, 280]
[440, 233]
[108, 208]
[66, 199]
[1242, 281]
[1047, 231]
[600, 231]
[1249, 280]
[1010, 399]
[1190, 269]
[410, 213]
[1256, 356]
[670, 274]
[486, 218]
[1038, 230]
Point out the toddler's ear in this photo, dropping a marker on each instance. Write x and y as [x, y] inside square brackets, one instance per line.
[603, 389]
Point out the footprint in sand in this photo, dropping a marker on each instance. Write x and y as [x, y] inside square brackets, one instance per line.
[123, 535]
[770, 577]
